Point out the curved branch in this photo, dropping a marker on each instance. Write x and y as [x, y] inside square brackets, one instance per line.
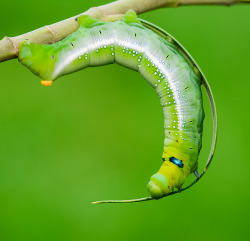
[110, 12]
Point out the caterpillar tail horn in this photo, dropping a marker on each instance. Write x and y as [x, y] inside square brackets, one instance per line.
[124, 201]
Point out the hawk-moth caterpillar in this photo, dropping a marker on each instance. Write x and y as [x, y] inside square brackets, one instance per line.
[161, 61]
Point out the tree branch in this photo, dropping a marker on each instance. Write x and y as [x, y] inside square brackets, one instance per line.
[110, 12]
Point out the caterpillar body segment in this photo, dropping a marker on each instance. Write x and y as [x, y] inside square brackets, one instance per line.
[159, 60]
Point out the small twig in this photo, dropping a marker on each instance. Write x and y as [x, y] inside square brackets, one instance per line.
[110, 12]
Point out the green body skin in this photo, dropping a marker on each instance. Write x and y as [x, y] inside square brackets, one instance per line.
[128, 43]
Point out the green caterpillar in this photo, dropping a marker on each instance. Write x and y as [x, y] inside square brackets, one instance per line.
[161, 61]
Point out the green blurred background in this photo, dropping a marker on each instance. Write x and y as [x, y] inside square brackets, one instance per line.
[98, 134]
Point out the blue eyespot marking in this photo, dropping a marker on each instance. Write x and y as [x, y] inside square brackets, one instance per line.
[176, 161]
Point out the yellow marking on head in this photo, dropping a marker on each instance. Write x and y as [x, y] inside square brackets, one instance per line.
[46, 82]
[176, 176]
[172, 151]
[189, 161]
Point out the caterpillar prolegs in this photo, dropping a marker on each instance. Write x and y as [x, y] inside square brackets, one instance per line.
[162, 61]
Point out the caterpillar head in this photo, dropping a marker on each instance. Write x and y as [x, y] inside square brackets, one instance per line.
[158, 186]
[172, 174]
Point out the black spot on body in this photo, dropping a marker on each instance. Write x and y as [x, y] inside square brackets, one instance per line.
[72, 45]
[52, 56]
[135, 34]
[186, 88]
[100, 31]
[176, 161]
[167, 57]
